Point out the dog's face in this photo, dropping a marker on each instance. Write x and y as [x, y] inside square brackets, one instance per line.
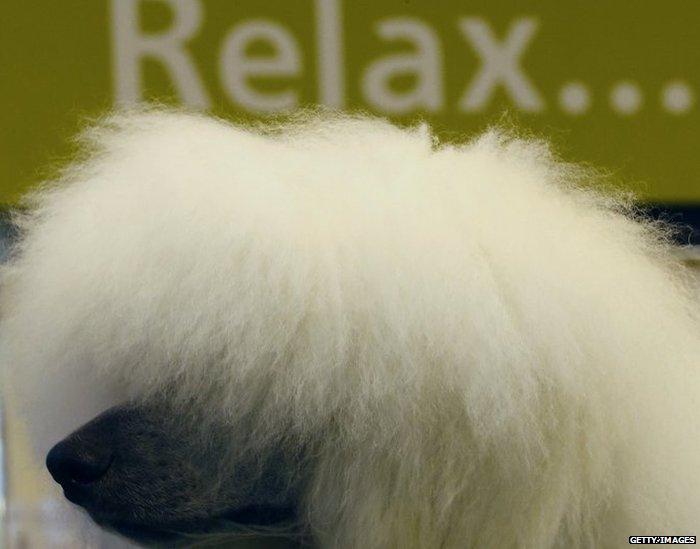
[151, 476]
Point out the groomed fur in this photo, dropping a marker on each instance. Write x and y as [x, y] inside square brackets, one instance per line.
[481, 353]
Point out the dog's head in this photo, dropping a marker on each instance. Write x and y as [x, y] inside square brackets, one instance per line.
[341, 328]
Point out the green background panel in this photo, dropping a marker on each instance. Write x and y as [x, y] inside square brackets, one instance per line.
[56, 63]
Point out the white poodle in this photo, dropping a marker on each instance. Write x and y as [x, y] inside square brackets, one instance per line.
[347, 332]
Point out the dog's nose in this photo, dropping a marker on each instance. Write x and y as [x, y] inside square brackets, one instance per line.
[70, 461]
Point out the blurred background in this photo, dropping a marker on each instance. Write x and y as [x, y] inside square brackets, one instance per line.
[613, 84]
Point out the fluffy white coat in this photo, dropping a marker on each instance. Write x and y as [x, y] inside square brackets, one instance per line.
[484, 353]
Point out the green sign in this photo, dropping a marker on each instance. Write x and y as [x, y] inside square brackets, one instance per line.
[610, 83]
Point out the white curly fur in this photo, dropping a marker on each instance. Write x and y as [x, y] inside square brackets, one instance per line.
[483, 353]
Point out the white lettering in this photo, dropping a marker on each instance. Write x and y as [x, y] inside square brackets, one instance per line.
[236, 67]
[329, 35]
[500, 65]
[131, 46]
[425, 63]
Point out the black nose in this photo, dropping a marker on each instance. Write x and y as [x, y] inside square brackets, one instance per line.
[73, 461]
